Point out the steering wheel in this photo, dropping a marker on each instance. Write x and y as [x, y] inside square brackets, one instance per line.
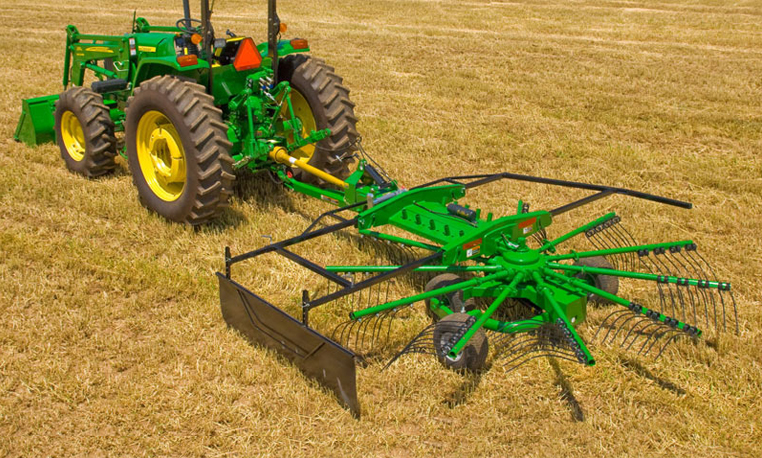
[184, 24]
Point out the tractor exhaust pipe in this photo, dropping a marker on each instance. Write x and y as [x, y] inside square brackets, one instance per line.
[208, 31]
[273, 29]
[186, 12]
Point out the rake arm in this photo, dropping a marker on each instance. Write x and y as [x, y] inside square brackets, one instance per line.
[634, 307]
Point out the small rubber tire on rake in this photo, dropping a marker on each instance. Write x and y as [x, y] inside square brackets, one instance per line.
[85, 132]
[474, 354]
[452, 300]
[195, 151]
[317, 83]
[608, 283]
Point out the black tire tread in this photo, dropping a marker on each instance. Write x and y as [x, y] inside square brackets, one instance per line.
[607, 283]
[441, 281]
[474, 353]
[100, 149]
[210, 144]
[332, 154]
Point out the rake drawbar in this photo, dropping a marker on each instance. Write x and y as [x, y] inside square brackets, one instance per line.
[501, 286]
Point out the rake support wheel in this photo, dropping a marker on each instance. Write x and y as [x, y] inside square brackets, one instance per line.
[474, 354]
[178, 150]
[85, 132]
[452, 300]
[607, 283]
[321, 101]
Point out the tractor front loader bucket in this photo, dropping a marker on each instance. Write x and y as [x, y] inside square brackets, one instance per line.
[262, 323]
[37, 123]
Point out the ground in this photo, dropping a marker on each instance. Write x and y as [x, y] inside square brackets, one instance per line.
[111, 338]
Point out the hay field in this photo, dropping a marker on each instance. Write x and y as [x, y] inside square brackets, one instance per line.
[111, 338]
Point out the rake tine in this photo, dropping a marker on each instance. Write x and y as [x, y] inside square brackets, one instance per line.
[642, 333]
[632, 256]
[360, 331]
[679, 269]
[696, 272]
[559, 356]
[613, 324]
[650, 336]
[339, 332]
[610, 326]
[632, 330]
[668, 286]
[632, 316]
[374, 329]
[618, 259]
[416, 345]
[658, 336]
[672, 337]
[346, 335]
[720, 293]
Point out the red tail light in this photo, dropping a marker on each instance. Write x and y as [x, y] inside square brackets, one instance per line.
[299, 43]
[187, 60]
[248, 56]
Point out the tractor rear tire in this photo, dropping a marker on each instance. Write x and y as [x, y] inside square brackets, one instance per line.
[178, 150]
[454, 301]
[474, 354]
[317, 83]
[85, 132]
[607, 283]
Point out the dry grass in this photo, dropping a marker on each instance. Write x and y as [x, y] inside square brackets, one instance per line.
[111, 339]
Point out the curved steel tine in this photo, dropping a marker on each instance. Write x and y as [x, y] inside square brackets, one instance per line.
[672, 337]
[722, 301]
[339, 329]
[633, 316]
[534, 353]
[513, 347]
[664, 270]
[379, 319]
[650, 336]
[680, 270]
[658, 336]
[697, 272]
[632, 329]
[360, 332]
[521, 352]
[642, 333]
[613, 325]
[417, 345]
[346, 336]
[610, 325]
[631, 256]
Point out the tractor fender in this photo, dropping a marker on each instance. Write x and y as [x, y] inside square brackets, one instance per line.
[284, 48]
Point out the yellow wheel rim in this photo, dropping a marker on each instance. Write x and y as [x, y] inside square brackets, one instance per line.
[303, 112]
[161, 155]
[73, 136]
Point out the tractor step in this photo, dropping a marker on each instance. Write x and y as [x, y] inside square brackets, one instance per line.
[110, 85]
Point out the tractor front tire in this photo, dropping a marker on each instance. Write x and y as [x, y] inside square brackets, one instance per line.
[607, 283]
[85, 132]
[178, 150]
[321, 101]
[474, 354]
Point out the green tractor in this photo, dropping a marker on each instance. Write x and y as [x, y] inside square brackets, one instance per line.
[193, 108]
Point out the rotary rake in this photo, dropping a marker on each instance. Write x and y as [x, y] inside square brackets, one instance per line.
[495, 291]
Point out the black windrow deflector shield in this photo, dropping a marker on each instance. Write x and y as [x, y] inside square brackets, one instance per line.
[317, 356]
